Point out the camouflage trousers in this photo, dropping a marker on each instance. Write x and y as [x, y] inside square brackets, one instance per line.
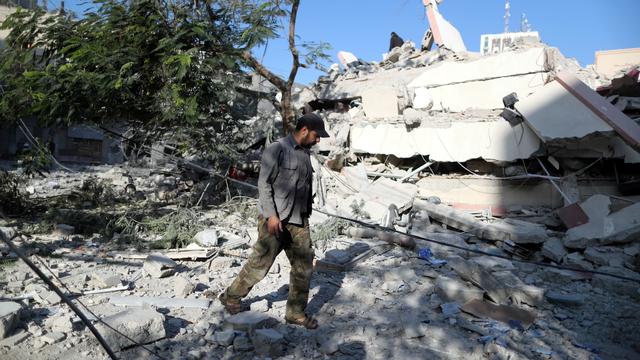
[296, 242]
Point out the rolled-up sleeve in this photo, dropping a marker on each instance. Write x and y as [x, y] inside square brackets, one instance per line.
[268, 173]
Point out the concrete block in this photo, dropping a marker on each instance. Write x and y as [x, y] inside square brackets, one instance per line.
[554, 249]
[106, 280]
[206, 238]
[412, 117]
[60, 322]
[451, 290]
[604, 228]
[422, 100]
[268, 342]
[64, 230]
[9, 317]
[183, 286]
[380, 102]
[225, 337]
[249, 321]
[53, 337]
[260, 306]
[142, 325]
[159, 266]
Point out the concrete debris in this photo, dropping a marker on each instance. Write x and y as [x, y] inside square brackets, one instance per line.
[9, 316]
[159, 266]
[224, 337]
[520, 232]
[451, 290]
[473, 273]
[604, 227]
[554, 249]
[183, 286]
[141, 325]
[64, 230]
[268, 342]
[503, 313]
[54, 337]
[249, 321]
[207, 238]
[159, 302]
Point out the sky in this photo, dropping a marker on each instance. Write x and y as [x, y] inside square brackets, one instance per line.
[577, 27]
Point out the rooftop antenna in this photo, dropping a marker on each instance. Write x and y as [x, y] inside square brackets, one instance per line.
[524, 23]
[507, 15]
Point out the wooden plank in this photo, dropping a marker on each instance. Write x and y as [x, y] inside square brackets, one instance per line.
[628, 130]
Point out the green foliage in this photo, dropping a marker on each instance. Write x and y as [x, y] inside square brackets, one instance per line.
[12, 200]
[163, 69]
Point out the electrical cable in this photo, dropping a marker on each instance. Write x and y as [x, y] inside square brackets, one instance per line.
[378, 227]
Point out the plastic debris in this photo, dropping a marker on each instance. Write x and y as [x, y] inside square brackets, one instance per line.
[427, 255]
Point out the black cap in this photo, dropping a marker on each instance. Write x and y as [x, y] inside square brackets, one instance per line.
[312, 122]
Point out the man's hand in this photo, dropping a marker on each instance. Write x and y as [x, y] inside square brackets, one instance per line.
[274, 226]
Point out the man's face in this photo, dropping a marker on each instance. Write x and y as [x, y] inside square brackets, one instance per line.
[309, 138]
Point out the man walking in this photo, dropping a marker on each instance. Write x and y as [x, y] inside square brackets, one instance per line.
[285, 199]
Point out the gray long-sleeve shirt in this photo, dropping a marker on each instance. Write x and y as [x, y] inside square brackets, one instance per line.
[284, 184]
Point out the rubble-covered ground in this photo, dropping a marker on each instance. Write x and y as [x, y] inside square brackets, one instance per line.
[389, 303]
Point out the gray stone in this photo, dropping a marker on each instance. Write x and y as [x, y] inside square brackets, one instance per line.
[183, 286]
[15, 339]
[450, 309]
[268, 342]
[142, 325]
[565, 299]
[105, 280]
[224, 338]
[260, 306]
[64, 230]
[159, 266]
[9, 317]
[249, 321]
[412, 117]
[242, 343]
[53, 337]
[554, 249]
[451, 290]
[329, 346]
[206, 238]
[577, 260]
[7, 232]
[60, 322]
[605, 256]
[337, 256]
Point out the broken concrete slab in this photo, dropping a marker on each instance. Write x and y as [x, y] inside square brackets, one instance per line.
[206, 238]
[376, 199]
[606, 256]
[159, 266]
[106, 280]
[503, 313]
[519, 232]
[473, 273]
[159, 302]
[224, 337]
[543, 109]
[183, 286]
[249, 321]
[9, 317]
[53, 337]
[554, 249]
[380, 102]
[604, 228]
[142, 325]
[493, 140]
[451, 290]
